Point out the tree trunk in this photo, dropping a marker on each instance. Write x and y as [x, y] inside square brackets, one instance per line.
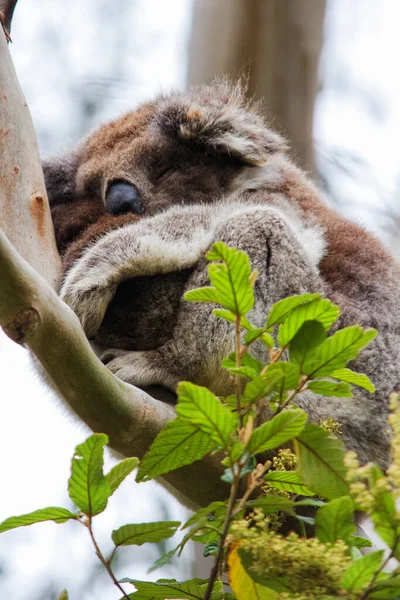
[275, 45]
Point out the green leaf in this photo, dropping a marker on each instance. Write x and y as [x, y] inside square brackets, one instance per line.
[118, 473]
[337, 350]
[200, 407]
[87, 486]
[214, 510]
[211, 549]
[164, 559]
[178, 444]
[360, 572]
[358, 379]
[310, 335]
[231, 279]
[52, 513]
[204, 294]
[359, 542]
[280, 429]
[138, 534]
[384, 516]
[260, 387]
[330, 388]
[164, 589]
[254, 334]
[320, 462]
[288, 481]
[320, 310]
[281, 310]
[248, 468]
[227, 315]
[289, 375]
[271, 504]
[63, 595]
[335, 521]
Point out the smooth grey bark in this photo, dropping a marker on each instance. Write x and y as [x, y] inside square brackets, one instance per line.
[273, 44]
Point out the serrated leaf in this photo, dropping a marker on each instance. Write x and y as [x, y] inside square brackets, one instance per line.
[211, 549]
[217, 508]
[254, 334]
[164, 589]
[259, 387]
[244, 586]
[178, 444]
[279, 430]
[87, 486]
[282, 309]
[330, 388]
[204, 294]
[248, 468]
[319, 310]
[164, 559]
[121, 470]
[231, 278]
[337, 350]
[200, 407]
[310, 335]
[358, 379]
[320, 462]
[271, 504]
[138, 534]
[227, 315]
[335, 521]
[52, 513]
[359, 542]
[360, 572]
[288, 481]
[289, 375]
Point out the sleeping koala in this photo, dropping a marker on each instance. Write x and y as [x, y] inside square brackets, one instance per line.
[135, 208]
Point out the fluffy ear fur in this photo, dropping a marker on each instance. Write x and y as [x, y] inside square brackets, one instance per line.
[60, 178]
[222, 119]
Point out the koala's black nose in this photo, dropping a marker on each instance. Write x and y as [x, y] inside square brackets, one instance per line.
[123, 197]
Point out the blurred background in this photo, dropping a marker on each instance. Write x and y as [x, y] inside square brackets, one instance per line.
[328, 71]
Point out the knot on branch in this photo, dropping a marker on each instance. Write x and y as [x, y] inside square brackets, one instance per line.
[24, 325]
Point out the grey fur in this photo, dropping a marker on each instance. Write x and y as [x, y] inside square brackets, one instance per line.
[276, 244]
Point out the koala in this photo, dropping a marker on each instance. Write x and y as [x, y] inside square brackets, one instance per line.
[137, 205]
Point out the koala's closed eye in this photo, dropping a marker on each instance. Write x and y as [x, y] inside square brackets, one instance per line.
[123, 197]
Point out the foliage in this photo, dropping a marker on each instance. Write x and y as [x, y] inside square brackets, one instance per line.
[267, 485]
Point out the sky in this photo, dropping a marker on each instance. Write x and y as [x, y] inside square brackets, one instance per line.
[81, 63]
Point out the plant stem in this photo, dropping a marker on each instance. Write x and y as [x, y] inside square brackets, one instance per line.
[218, 557]
[371, 587]
[103, 560]
[237, 377]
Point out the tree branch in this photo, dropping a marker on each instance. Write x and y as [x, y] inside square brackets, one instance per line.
[24, 211]
[33, 314]
[7, 7]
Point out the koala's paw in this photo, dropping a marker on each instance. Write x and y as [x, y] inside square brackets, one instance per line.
[88, 299]
[138, 368]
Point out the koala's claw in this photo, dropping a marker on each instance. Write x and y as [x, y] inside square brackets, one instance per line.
[110, 354]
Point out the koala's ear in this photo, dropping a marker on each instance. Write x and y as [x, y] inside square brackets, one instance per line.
[60, 178]
[222, 119]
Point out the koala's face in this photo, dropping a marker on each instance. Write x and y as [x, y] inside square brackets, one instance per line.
[183, 148]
